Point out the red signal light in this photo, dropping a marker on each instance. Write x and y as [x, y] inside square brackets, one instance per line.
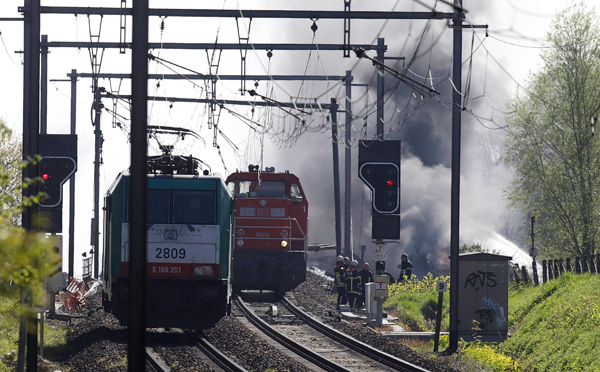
[45, 176]
[390, 182]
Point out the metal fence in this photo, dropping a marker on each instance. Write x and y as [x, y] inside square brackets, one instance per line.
[552, 269]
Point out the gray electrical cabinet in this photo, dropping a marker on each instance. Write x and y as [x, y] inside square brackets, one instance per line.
[483, 296]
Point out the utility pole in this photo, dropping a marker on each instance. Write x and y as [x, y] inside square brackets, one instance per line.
[137, 200]
[44, 87]
[380, 88]
[95, 231]
[347, 168]
[336, 176]
[31, 133]
[72, 181]
[455, 183]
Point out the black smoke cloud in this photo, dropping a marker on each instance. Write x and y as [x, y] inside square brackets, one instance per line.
[424, 125]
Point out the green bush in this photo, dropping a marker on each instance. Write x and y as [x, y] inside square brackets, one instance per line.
[415, 302]
[487, 355]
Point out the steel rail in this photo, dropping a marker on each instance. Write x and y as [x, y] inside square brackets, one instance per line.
[288, 343]
[215, 354]
[155, 363]
[367, 350]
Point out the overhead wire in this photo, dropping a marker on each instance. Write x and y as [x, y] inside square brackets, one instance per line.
[521, 45]
[6, 50]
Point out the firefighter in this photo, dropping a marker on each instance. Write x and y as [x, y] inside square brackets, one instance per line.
[353, 285]
[405, 268]
[340, 281]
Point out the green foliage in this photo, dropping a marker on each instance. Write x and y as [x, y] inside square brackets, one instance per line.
[28, 258]
[426, 284]
[9, 333]
[415, 302]
[476, 247]
[9, 326]
[25, 257]
[523, 300]
[551, 144]
[556, 325]
[10, 175]
[487, 355]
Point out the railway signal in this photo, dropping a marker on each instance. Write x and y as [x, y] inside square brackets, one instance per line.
[383, 180]
[55, 171]
[379, 168]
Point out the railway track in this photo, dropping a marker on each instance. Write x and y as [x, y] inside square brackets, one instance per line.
[221, 361]
[153, 361]
[218, 357]
[316, 342]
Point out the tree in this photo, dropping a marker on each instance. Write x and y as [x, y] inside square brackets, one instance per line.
[26, 256]
[10, 175]
[552, 143]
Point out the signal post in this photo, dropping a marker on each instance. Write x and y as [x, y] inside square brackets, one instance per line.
[58, 163]
[379, 169]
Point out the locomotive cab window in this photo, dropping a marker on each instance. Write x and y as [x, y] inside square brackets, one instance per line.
[181, 206]
[295, 193]
[231, 186]
[194, 207]
[272, 189]
[158, 206]
[244, 187]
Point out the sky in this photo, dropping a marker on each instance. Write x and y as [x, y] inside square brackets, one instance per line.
[496, 66]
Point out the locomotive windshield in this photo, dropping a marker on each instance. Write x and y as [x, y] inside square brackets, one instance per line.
[266, 189]
[295, 193]
[194, 207]
[181, 206]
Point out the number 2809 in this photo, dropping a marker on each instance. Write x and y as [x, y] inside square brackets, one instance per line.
[170, 253]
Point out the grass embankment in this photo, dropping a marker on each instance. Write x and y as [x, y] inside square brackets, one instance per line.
[9, 333]
[554, 326]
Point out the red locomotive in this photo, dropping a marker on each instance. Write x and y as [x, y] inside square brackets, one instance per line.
[270, 226]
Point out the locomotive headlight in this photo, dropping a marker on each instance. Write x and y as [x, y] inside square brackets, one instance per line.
[284, 243]
[262, 202]
[239, 233]
[240, 243]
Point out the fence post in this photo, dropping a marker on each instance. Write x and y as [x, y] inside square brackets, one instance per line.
[544, 271]
[561, 268]
[577, 265]
[569, 267]
[550, 271]
[592, 265]
[556, 274]
[597, 263]
[584, 264]
[525, 275]
[536, 280]
[515, 274]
